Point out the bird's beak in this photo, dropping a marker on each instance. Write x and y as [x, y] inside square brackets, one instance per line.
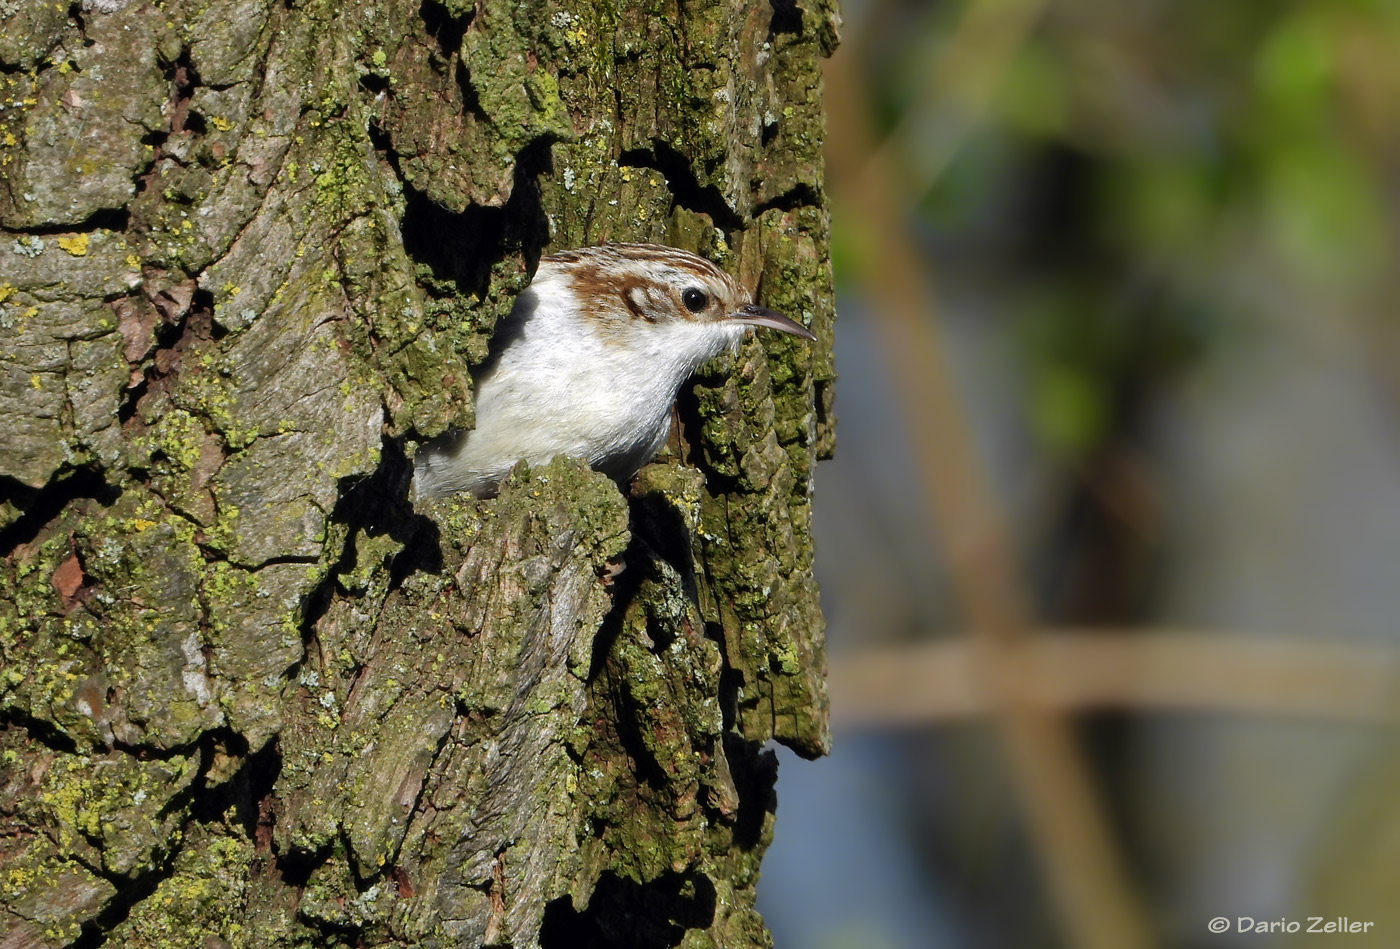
[751, 315]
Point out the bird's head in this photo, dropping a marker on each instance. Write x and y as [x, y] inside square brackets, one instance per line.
[648, 289]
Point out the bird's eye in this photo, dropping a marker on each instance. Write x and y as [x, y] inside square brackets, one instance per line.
[694, 299]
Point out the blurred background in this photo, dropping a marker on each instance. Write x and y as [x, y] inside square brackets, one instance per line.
[1110, 550]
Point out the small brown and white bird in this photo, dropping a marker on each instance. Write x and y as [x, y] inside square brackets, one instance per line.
[588, 363]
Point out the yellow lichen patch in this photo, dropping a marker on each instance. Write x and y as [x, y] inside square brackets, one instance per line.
[77, 245]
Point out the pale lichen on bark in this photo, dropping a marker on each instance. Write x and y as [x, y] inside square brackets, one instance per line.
[249, 252]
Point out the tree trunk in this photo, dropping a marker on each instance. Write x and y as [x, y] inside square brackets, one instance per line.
[251, 696]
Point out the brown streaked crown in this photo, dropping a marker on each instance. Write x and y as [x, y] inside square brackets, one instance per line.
[650, 282]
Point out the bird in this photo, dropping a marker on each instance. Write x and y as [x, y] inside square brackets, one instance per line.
[589, 361]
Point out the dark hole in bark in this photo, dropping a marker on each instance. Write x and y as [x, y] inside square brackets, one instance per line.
[623, 914]
[460, 247]
[445, 29]
[683, 184]
[787, 18]
[41, 505]
[755, 773]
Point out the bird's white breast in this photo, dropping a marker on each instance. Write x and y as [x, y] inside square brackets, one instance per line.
[569, 383]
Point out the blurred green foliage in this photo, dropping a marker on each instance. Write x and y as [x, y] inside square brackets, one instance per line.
[1143, 174]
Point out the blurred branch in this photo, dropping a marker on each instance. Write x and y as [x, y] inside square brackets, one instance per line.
[1083, 870]
[1076, 671]
[961, 83]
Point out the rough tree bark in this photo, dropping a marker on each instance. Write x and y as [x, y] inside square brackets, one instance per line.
[250, 695]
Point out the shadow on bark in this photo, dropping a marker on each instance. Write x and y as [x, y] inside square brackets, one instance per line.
[624, 914]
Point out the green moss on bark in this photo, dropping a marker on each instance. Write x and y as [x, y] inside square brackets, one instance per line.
[250, 690]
